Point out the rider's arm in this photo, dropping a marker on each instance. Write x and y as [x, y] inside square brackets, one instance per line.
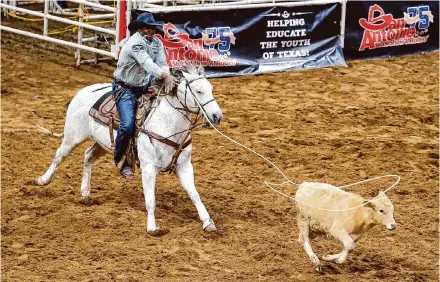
[141, 56]
[161, 59]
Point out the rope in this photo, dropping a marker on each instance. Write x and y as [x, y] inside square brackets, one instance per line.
[14, 15]
[72, 28]
[288, 181]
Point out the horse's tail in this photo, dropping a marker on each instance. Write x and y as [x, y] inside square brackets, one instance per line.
[47, 131]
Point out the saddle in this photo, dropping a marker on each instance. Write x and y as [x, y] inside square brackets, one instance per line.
[105, 112]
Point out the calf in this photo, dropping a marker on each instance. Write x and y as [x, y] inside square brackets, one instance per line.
[346, 226]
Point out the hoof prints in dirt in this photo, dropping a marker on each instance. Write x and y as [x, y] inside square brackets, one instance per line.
[318, 125]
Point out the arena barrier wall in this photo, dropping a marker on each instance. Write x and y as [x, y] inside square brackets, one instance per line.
[235, 37]
[255, 40]
[248, 38]
[389, 28]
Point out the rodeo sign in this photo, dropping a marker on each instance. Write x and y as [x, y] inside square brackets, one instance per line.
[254, 40]
[212, 50]
[391, 28]
[383, 30]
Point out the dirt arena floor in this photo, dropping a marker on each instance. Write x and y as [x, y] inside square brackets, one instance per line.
[335, 125]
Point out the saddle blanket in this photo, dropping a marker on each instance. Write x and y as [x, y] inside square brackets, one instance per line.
[104, 111]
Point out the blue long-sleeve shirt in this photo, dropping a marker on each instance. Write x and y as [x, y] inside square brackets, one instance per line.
[139, 59]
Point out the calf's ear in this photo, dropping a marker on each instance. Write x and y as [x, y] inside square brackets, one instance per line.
[368, 204]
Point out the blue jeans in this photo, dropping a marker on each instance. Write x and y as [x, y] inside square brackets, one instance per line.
[126, 103]
[126, 106]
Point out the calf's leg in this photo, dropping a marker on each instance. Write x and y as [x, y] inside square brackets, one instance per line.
[342, 235]
[331, 257]
[304, 240]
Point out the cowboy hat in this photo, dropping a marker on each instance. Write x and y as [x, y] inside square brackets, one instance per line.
[143, 20]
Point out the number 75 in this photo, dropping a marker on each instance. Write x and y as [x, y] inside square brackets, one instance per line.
[225, 41]
[424, 19]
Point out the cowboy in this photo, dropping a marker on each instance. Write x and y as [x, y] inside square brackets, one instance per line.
[142, 59]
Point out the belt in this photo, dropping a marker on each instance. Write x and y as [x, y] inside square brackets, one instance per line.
[138, 89]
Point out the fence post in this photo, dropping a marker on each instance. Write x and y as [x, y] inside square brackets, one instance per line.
[46, 22]
[80, 34]
[128, 17]
[96, 46]
[343, 16]
[121, 20]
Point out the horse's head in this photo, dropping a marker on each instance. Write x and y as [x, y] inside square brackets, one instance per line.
[195, 93]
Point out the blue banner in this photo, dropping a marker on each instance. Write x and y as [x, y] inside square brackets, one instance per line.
[254, 40]
[388, 28]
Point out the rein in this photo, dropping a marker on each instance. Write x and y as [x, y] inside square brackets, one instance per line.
[186, 139]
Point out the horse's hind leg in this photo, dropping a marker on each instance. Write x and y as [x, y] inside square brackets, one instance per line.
[63, 151]
[90, 156]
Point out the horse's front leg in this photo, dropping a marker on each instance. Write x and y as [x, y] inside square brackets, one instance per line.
[185, 173]
[148, 183]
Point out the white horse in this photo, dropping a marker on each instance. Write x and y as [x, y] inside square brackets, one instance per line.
[172, 115]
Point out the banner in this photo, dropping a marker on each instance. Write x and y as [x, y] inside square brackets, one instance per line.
[387, 28]
[255, 40]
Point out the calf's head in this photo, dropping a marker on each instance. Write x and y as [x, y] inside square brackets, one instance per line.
[383, 211]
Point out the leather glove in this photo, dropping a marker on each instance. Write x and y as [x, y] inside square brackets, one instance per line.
[169, 82]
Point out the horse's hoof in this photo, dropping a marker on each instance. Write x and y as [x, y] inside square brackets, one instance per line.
[34, 182]
[157, 232]
[85, 200]
[209, 226]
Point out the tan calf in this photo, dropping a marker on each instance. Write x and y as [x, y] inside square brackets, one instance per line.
[346, 226]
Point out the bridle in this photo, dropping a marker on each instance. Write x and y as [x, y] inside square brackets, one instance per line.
[184, 110]
[185, 107]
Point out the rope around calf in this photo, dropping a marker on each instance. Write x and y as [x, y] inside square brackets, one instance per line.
[288, 181]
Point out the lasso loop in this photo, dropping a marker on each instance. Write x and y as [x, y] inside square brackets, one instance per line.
[288, 181]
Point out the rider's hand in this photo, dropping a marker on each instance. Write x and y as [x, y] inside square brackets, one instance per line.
[169, 82]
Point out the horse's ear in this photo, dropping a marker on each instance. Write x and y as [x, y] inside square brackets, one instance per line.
[201, 70]
[186, 75]
[177, 73]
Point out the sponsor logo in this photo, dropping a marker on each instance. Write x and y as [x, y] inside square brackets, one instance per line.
[383, 30]
[211, 50]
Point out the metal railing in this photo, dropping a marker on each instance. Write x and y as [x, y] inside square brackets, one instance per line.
[113, 53]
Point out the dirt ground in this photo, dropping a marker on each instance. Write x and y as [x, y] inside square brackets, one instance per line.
[335, 125]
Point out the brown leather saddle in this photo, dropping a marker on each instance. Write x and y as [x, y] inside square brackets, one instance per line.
[105, 112]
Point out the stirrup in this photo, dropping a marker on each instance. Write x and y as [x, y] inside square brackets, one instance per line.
[129, 175]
